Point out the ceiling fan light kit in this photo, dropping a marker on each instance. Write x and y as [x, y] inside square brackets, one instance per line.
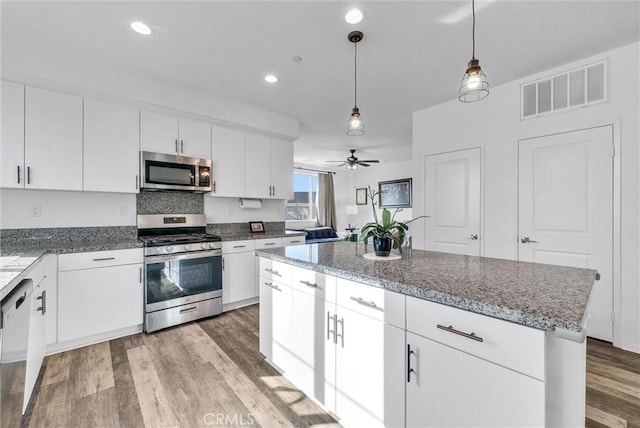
[352, 162]
[355, 127]
[474, 85]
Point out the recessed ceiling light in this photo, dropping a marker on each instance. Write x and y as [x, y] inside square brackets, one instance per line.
[354, 16]
[141, 28]
[270, 78]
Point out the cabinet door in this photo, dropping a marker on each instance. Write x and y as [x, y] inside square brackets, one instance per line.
[369, 371]
[159, 133]
[53, 140]
[452, 388]
[227, 152]
[95, 301]
[281, 325]
[195, 139]
[12, 143]
[111, 146]
[282, 168]
[37, 331]
[239, 277]
[257, 166]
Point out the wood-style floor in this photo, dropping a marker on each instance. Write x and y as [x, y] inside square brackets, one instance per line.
[210, 373]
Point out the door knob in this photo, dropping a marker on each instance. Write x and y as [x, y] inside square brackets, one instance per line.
[526, 240]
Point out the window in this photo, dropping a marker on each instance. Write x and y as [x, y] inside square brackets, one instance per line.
[303, 206]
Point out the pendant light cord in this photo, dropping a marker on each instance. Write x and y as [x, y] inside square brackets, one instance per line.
[355, 75]
[473, 29]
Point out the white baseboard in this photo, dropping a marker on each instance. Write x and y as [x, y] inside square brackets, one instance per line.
[56, 348]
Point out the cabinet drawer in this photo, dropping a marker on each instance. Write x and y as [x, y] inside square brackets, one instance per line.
[277, 271]
[314, 283]
[293, 240]
[268, 243]
[372, 301]
[238, 246]
[514, 346]
[97, 259]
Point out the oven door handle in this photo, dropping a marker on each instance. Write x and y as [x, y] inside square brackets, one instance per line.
[182, 256]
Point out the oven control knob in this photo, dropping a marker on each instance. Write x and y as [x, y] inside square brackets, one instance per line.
[169, 249]
[205, 246]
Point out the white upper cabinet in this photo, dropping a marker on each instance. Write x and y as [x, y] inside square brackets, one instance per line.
[268, 167]
[53, 140]
[227, 152]
[282, 168]
[111, 144]
[12, 143]
[161, 133]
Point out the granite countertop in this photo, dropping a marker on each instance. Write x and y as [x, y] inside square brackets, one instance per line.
[540, 296]
[241, 236]
[16, 258]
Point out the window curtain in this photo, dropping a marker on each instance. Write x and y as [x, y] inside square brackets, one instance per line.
[326, 201]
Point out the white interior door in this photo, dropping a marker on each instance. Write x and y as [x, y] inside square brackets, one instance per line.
[452, 200]
[566, 210]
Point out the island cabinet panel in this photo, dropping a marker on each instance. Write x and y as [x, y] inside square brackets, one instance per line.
[451, 388]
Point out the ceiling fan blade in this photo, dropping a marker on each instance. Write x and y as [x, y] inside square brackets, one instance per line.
[371, 161]
[362, 163]
[343, 164]
[335, 161]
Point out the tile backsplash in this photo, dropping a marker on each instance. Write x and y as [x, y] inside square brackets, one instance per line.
[170, 203]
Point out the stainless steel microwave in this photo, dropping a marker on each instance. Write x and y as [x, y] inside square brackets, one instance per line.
[160, 171]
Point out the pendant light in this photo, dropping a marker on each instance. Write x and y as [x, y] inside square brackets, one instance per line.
[474, 85]
[355, 127]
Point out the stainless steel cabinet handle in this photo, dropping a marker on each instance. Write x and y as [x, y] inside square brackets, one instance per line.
[309, 284]
[473, 237]
[269, 243]
[526, 240]
[295, 242]
[363, 302]
[214, 186]
[140, 275]
[18, 174]
[239, 246]
[329, 330]
[223, 263]
[177, 146]
[191, 309]
[341, 335]
[270, 285]
[274, 190]
[471, 335]
[274, 272]
[597, 276]
[104, 259]
[409, 369]
[43, 297]
[181, 146]
[28, 175]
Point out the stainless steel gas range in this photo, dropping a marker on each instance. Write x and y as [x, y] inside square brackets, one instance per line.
[183, 269]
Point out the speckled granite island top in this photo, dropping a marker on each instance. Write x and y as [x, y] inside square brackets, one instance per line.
[541, 296]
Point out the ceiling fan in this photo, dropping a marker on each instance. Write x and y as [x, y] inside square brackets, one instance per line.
[352, 161]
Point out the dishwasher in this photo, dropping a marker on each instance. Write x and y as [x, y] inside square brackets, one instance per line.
[14, 336]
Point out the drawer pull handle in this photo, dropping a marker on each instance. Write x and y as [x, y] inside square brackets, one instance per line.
[450, 329]
[309, 284]
[295, 242]
[329, 330]
[104, 259]
[43, 297]
[185, 310]
[239, 246]
[270, 285]
[363, 302]
[273, 272]
[269, 243]
[409, 369]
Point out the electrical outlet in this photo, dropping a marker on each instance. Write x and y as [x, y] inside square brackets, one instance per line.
[36, 210]
[123, 210]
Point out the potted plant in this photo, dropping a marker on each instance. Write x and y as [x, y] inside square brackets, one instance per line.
[387, 234]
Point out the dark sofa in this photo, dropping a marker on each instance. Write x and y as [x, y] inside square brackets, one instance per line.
[319, 234]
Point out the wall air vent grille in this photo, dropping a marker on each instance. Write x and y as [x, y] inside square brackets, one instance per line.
[579, 87]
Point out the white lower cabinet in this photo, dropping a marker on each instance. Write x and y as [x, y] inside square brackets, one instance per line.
[238, 273]
[99, 298]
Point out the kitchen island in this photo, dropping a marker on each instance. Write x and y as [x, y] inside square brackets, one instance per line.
[454, 339]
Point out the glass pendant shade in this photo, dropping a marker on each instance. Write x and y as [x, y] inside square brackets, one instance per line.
[474, 85]
[355, 127]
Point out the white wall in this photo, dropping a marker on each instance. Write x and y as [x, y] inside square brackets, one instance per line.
[227, 210]
[346, 182]
[65, 209]
[494, 125]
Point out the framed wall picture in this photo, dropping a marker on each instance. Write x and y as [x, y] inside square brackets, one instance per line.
[361, 196]
[395, 193]
[256, 226]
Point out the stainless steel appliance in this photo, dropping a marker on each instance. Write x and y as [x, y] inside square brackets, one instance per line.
[183, 269]
[160, 171]
[14, 329]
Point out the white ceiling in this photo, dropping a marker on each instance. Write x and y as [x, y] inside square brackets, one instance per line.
[413, 54]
